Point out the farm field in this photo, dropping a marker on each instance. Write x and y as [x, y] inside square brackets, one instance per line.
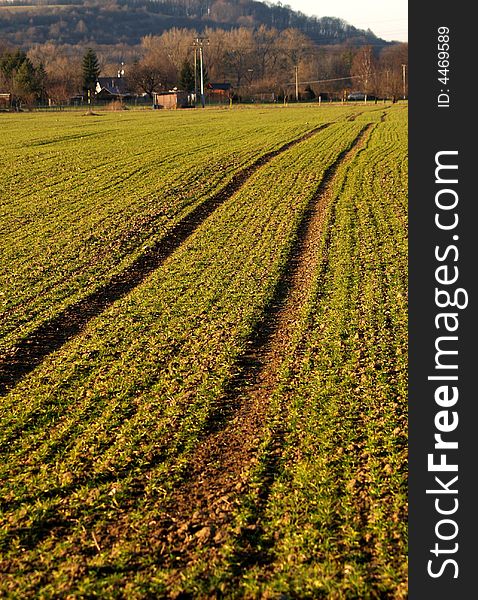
[204, 354]
[81, 197]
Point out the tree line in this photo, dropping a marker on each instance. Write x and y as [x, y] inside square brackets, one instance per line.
[265, 62]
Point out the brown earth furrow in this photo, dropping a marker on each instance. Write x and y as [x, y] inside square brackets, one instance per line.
[53, 334]
[200, 510]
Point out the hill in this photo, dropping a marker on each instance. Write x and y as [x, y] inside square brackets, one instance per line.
[25, 23]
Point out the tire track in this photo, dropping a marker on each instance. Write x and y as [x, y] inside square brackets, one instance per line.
[200, 511]
[53, 334]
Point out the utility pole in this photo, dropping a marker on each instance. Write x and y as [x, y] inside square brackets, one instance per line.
[195, 75]
[199, 44]
[404, 68]
[202, 75]
[297, 83]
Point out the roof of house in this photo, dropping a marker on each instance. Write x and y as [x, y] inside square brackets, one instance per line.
[116, 86]
[224, 87]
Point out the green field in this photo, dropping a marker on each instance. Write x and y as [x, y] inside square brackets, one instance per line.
[232, 421]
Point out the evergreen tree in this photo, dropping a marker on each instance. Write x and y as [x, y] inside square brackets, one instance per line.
[25, 81]
[186, 77]
[41, 81]
[10, 63]
[20, 77]
[91, 70]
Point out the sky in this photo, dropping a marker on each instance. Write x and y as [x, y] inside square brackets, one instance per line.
[387, 19]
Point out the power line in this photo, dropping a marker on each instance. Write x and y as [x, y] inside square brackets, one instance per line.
[327, 80]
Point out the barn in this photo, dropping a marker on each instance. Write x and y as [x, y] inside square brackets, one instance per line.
[173, 99]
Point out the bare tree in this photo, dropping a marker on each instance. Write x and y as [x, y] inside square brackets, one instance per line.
[168, 51]
[146, 77]
[239, 54]
[363, 67]
[390, 73]
[215, 53]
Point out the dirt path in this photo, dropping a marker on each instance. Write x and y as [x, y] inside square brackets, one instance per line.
[200, 510]
[53, 334]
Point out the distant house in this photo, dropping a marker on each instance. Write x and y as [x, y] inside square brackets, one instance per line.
[5, 100]
[172, 99]
[217, 93]
[219, 88]
[112, 88]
